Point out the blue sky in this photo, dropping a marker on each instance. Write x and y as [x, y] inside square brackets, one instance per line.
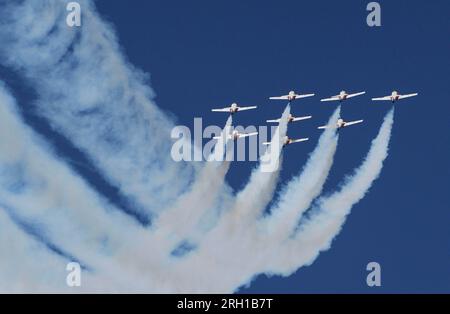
[208, 54]
[204, 54]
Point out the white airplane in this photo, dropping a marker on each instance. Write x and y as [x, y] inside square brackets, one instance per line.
[291, 96]
[291, 118]
[288, 141]
[341, 124]
[236, 135]
[395, 96]
[233, 108]
[343, 95]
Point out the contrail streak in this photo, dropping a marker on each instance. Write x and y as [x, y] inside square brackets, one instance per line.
[303, 189]
[184, 216]
[241, 245]
[329, 214]
[19, 273]
[53, 207]
[93, 98]
[253, 199]
[88, 92]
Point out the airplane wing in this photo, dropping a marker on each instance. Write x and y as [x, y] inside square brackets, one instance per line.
[355, 94]
[285, 97]
[221, 110]
[219, 137]
[301, 118]
[274, 121]
[352, 122]
[299, 140]
[303, 96]
[327, 127]
[382, 98]
[246, 108]
[407, 95]
[248, 134]
[332, 98]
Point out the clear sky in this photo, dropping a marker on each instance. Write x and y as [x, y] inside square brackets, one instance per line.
[204, 54]
[207, 54]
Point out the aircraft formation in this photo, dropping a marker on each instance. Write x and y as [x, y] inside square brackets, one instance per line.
[292, 96]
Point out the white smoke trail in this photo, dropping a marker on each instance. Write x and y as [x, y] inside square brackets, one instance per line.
[241, 245]
[299, 193]
[42, 195]
[190, 275]
[29, 266]
[247, 257]
[249, 203]
[96, 99]
[330, 213]
[101, 103]
[184, 216]
[100, 124]
[228, 249]
[46, 195]
[258, 192]
[18, 273]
